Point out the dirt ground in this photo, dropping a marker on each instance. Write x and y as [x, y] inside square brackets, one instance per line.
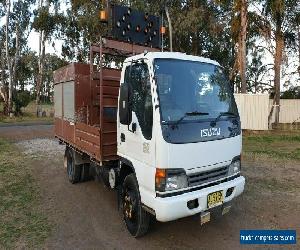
[85, 215]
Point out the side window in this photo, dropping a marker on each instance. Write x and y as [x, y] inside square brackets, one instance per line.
[141, 98]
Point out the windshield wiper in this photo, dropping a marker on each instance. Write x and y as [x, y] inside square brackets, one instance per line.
[223, 114]
[194, 113]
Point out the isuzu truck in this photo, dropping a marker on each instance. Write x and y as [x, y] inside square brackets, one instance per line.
[164, 131]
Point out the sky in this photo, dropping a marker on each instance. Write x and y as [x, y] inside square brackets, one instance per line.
[33, 42]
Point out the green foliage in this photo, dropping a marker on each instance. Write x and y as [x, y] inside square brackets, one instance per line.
[21, 99]
[48, 21]
[52, 62]
[291, 93]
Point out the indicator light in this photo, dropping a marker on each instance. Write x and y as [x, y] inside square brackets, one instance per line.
[162, 29]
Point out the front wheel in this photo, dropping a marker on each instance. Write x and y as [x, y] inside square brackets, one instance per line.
[135, 217]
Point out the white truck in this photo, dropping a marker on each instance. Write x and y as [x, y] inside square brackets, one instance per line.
[177, 135]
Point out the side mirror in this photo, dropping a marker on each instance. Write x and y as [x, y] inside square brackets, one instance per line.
[125, 113]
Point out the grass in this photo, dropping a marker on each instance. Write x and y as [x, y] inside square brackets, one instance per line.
[29, 114]
[21, 222]
[26, 117]
[278, 145]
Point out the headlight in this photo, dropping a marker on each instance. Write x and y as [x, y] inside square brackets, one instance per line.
[234, 168]
[170, 179]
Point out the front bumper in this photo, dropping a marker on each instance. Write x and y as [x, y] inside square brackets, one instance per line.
[175, 207]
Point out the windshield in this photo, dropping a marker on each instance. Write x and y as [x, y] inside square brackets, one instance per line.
[190, 90]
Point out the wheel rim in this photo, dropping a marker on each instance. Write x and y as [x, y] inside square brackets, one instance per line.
[130, 207]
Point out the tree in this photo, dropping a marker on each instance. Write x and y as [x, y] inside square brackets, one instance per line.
[52, 62]
[242, 43]
[81, 27]
[291, 93]
[17, 22]
[8, 59]
[277, 18]
[46, 23]
[258, 73]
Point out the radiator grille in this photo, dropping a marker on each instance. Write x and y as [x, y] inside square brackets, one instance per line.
[207, 176]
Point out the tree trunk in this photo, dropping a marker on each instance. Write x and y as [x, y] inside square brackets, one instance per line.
[40, 68]
[8, 61]
[39, 82]
[299, 49]
[16, 56]
[279, 40]
[3, 87]
[242, 45]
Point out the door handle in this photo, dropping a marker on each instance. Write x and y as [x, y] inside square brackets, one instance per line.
[122, 137]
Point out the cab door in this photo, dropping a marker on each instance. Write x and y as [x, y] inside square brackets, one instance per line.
[135, 140]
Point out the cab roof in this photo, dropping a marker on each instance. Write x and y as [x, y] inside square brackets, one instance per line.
[171, 55]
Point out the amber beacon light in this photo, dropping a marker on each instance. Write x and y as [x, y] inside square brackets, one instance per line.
[103, 15]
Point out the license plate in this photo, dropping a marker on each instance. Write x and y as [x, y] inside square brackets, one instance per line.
[214, 199]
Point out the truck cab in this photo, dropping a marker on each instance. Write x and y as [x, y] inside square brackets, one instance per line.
[179, 131]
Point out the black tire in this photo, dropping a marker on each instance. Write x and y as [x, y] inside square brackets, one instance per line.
[135, 217]
[85, 172]
[103, 173]
[73, 170]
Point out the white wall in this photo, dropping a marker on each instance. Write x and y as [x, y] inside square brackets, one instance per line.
[254, 110]
[289, 110]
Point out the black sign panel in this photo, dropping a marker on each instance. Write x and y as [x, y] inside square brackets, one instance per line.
[135, 27]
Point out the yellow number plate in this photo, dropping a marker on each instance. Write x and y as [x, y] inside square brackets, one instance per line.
[214, 199]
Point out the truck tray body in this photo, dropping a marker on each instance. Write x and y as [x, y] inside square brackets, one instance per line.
[86, 109]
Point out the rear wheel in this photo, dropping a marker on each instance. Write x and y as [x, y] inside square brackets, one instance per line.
[135, 217]
[73, 170]
[85, 172]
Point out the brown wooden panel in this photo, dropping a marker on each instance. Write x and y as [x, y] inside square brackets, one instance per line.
[58, 127]
[110, 158]
[88, 129]
[68, 131]
[111, 83]
[69, 72]
[64, 74]
[109, 127]
[109, 150]
[109, 138]
[87, 137]
[112, 91]
[91, 149]
[110, 101]
[96, 83]
[116, 73]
